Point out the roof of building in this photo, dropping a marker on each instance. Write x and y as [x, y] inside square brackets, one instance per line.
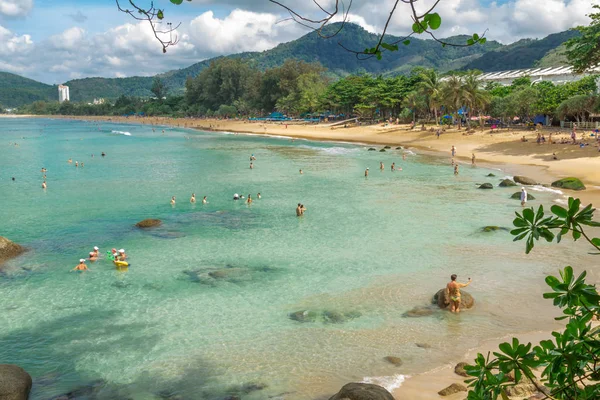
[517, 73]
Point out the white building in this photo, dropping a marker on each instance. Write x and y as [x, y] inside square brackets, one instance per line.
[556, 75]
[63, 93]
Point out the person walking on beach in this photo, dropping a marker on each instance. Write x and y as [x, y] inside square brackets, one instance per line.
[453, 293]
[193, 199]
[574, 134]
[81, 266]
[523, 197]
[473, 159]
[367, 173]
[453, 151]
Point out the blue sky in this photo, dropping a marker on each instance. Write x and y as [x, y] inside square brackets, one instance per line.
[57, 40]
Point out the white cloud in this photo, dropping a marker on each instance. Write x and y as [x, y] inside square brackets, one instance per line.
[14, 45]
[15, 8]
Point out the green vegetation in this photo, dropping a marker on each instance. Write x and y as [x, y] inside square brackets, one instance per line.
[570, 362]
[16, 90]
[583, 52]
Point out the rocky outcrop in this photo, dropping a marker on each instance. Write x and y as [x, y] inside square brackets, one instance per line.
[517, 196]
[486, 186]
[569, 183]
[521, 390]
[507, 183]
[362, 391]
[148, 223]
[523, 180]
[466, 300]
[397, 361]
[15, 383]
[9, 249]
[453, 389]
[459, 369]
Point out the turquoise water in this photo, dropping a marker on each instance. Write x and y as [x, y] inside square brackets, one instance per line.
[203, 310]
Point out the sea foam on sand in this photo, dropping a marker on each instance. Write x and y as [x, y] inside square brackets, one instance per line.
[390, 383]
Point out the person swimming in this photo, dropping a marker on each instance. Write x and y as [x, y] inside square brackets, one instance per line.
[92, 256]
[81, 266]
[193, 198]
[121, 256]
[258, 196]
[173, 200]
[204, 201]
[44, 186]
[70, 161]
[236, 196]
[249, 200]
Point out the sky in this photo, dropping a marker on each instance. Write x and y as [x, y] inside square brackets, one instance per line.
[54, 41]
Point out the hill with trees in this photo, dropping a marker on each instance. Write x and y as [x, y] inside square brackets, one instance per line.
[16, 90]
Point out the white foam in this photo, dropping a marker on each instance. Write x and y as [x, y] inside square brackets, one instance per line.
[390, 383]
[561, 201]
[538, 188]
[410, 152]
[332, 150]
[121, 133]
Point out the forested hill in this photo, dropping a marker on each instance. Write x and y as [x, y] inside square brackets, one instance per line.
[492, 56]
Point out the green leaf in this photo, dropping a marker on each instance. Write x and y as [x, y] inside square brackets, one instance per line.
[482, 40]
[470, 42]
[160, 14]
[434, 20]
[559, 211]
[475, 37]
[390, 47]
[417, 28]
[406, 42]
[596, 242]
[178, 2]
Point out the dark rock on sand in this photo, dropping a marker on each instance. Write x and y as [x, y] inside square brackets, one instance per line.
[9, 249]
[15, 383]
[423, 345]
[419, 311]
[362, 391]
[521, 389]
[459, 369]
[569, 183]
[486, 186]
[453, 389]
[517, 196]
[466, 301]
[304, 316]
[399, 148]
[493, 228]
[148, 223]
[507, 183]
[523, 180]
[387, 147]
[397, 361]
[253, 387]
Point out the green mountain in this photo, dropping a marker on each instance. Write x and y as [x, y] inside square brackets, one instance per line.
[526, 53]
[491, 56]
[16, 90]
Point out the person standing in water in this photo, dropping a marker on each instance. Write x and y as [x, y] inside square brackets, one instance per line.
[473, 159]
[81, 266]
[44, 186]
[301, 172]
[93, 256]
[453, 293]
[381, 166]
[251, 165]
[173, 200]
[366, 172]
[249, 199]
[77, 163]
[204, 201]
[523, 197]
[456, 169]
[258, 196]
[193, 199]
[300, 210]
[393, 167]
[96, 252]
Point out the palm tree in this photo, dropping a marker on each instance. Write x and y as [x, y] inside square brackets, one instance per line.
[475, 98]
[414, 102]
[453, 95]
[430, 87]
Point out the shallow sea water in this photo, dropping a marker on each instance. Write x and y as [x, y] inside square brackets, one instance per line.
[202, 312]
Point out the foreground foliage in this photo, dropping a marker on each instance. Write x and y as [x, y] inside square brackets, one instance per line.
[570, 362]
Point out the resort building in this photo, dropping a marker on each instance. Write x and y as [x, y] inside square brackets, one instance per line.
[556, 75]
[63, 93]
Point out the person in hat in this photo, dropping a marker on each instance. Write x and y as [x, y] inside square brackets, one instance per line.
[121, 256]
[92, 257]
[96, 252]
[81, 266]
[366, 172]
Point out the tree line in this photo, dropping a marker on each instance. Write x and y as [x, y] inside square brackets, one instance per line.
[233, 88]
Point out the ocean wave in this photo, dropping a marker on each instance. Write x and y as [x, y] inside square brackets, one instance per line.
[121, 133]
[538, 188]
[332, 150]
[390, 383]
[410, 152]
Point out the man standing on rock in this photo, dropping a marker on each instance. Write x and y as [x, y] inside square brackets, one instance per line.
[453, 293]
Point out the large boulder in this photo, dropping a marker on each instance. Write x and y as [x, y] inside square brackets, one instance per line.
[466, 300]
[9, 249]
[523, 180]
[459, 369]
[507, 183]
[522, 389]
[569, 183]
[15, 383]
[148, 223]
[362, 391]
[517, 196]
[486, 186]
[453, 389]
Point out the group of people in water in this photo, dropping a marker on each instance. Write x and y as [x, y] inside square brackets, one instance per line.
[116, 256]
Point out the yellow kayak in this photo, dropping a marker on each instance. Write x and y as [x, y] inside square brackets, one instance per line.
[121, 264]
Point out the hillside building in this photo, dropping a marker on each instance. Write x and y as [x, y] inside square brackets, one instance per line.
[63, 93]
[556, 75]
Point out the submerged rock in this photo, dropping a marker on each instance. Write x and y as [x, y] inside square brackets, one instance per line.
[336, 317]
[372, 149]
[148, 223]
[362, 391]
[15, 382]
[493, 228]
[419, 311]
[459, 369]
[507, 183]
[486, 186]
[466, 300]
[523, 180]
[228, 273]
[87, 391]
[304, 316]
[9, 249]
[569, 183]
[490, 175]
[517, 196]
[453, 389]
[397, 361]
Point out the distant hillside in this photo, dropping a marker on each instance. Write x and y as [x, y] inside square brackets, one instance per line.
[492, 56]
[16, 90]
[526, 53]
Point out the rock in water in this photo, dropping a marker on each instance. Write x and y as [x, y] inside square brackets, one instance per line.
[490, 175]
[9, 249]
[362, 391]
[492, 228]
[372, 149]
[523, 180]
[486, 186]
[517, 196]
[15, 383]
[397, 361]
[382, 151]
[149, 223]
[460, 369]
[507, 183]
[304, 316]
[419, 312]
[387, 147]
[466, 300]
[569, 183]
[453, 389]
